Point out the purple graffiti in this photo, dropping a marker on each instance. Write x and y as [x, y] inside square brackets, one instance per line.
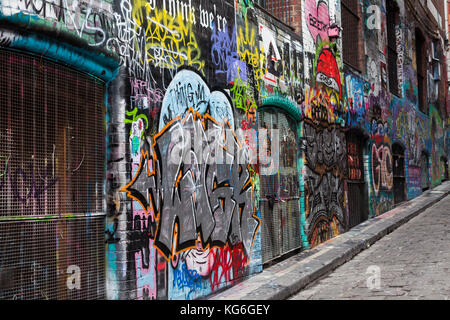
[224, 55]
[27, 184]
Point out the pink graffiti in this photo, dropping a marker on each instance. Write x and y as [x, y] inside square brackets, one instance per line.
[317, 19]
[141, 89]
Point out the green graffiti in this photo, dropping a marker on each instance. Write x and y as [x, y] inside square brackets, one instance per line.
[136, 117]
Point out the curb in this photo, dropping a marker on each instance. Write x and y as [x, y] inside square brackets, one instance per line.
[288, 277]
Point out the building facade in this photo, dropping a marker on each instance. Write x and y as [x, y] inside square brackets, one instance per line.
[168, 149]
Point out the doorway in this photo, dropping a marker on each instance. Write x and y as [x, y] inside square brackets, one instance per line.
[425, 175]
[444, 163]
[279, 191]
[357, 198]
[398, 157]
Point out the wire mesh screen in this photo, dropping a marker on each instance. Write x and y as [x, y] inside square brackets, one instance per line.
[358, 211]
[279, 8]
[350, 33]
[52, 259]
[51, 168]
[52, 138]
[391, 21]
[280, 206]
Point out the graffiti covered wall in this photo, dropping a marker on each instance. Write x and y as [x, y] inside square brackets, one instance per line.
[323, 110]
[202, 68]
[185, 83]
[388, 118]
[195, 73]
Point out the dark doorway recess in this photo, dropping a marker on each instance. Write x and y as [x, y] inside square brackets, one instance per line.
[357, 195]
[444, 162]
[280, 194]
[398, 157]
[425, 177]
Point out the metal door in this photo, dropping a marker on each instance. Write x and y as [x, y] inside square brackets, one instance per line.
[424, 171]
[357, 203]
[398, 157]
[445, 164]
[279, 200]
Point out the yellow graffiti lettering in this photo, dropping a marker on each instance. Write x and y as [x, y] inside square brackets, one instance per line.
[170, 41]
[249, 51]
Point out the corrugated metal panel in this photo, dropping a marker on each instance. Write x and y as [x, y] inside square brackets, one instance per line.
[52, 172]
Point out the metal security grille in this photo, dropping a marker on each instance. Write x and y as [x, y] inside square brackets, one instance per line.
[52, 259]
[398, 156]
[280, 204]
[350, 33]
[424, 171]
[392, 14]
[52, 138]
[51, 179]
[358, 211]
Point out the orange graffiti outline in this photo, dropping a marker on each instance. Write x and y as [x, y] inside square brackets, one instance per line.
[144, 155]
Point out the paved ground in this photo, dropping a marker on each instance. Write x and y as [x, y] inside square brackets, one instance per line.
[413, 262]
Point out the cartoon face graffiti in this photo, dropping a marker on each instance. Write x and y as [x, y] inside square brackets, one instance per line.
[198, 260]
[328, 86]
[189, 90]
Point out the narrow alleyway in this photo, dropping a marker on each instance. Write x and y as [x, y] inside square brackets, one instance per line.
[413, 262]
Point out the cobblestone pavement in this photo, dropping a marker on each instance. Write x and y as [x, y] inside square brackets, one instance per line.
[413, 262]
